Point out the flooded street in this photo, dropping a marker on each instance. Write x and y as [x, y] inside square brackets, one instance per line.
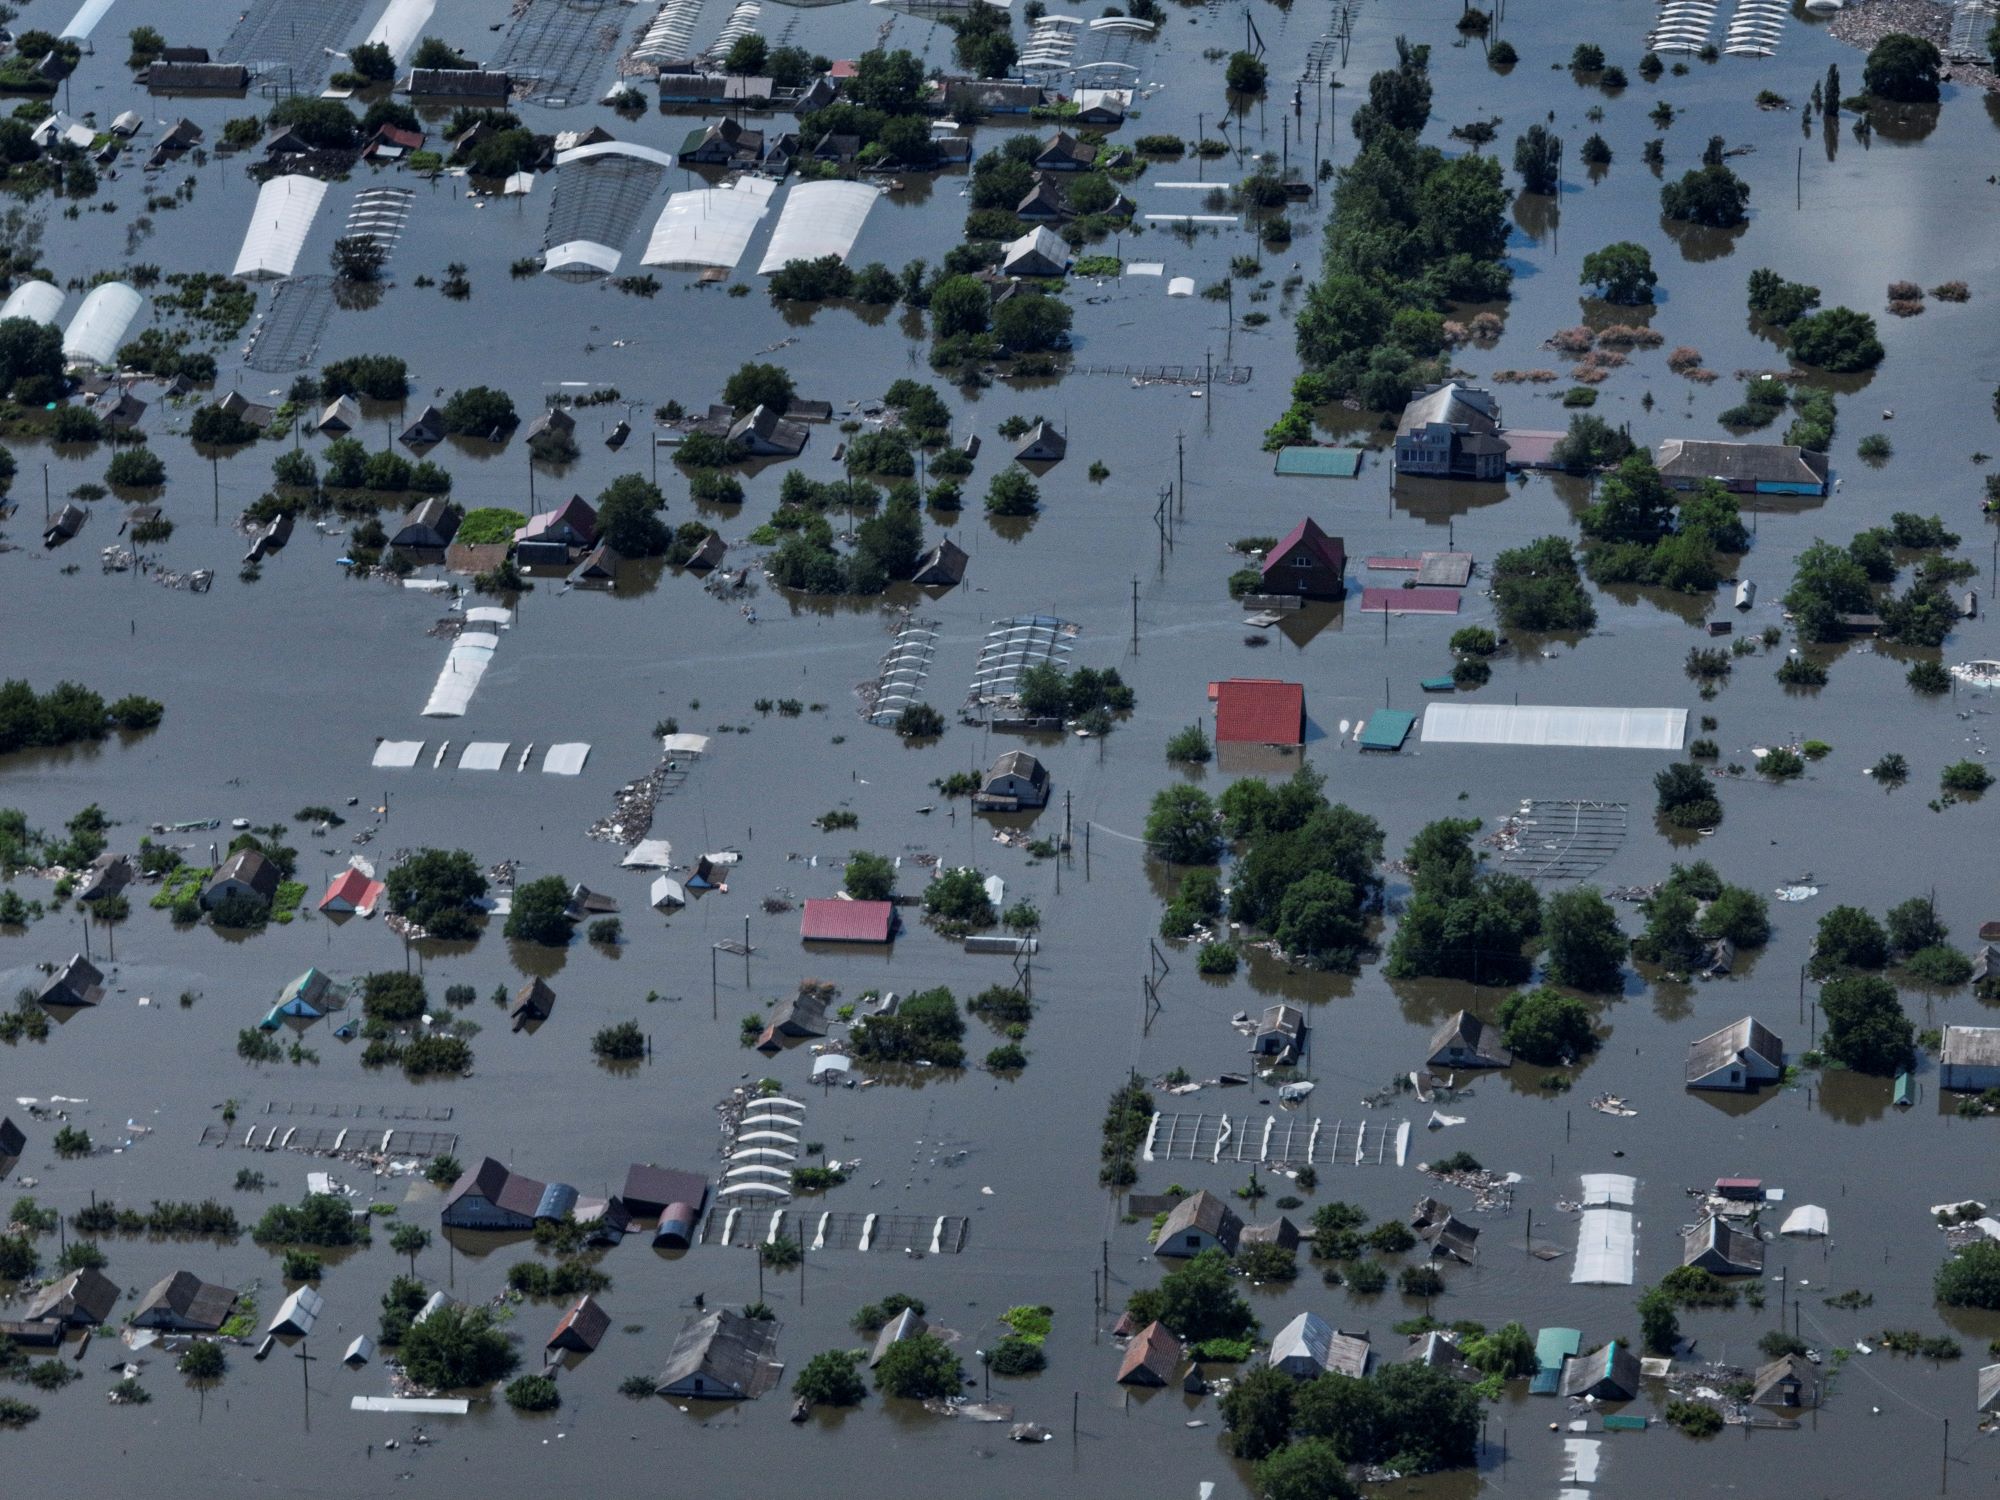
[277, 691]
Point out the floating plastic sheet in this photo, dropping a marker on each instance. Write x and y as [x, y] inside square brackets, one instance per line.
[1807, 1218]
[819, 219]
[397, 755]
[709, 227]
[565, 759]
[684, 744]
[1181, 286]
[483, 755]
[278, 228]
[1608, 1189]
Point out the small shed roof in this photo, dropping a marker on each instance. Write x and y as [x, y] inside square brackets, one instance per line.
[582, 1327]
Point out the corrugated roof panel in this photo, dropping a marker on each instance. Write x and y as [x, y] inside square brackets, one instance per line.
[709, 227]
[819, 219]
[1555, 726]
[1320, 463]
[278, 226]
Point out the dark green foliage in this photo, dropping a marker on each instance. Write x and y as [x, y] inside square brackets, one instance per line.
[541, 913]
[920, 1368]
[1460, 923]
[478, 411]
[136, 468]
[456, 1347]
[1838, 339]
[1257, 1410]
[1537, 587]
[957, 899]
[832, 1379]
[1181, 827]
[325, 124]
[1865, 1025]
[393, 996]
[379, 377]
[1413, 1417]
[1196, 1300]
[536, 1392]
[1971, 1278]
[1686, 796]
[1546, 1026]
[1848, 938]
[1126, 1120]
[1711, 196]
[1538, 158]
[1903, 69]
[319, 1219]
[1584, 945]
[925, 1027]
[1590, 443]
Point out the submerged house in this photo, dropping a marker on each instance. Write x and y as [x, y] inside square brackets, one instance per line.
[351, 893]
[1721, 1249]
[1465, 1041]
[764, 433]
[836, 921]
[722, 1356]
[1043, 444]
[425, 431]
[795, 1017]
[341, 415]
[432, 523]
[1739, 1057]
[1017, 780]
[1969, 1060]
[1259, 711]
[77, 983]
[942, 567]
[1151, 1358]
[244, 873]
[1280, 1034]
[582, 1328]
[1303, 1348]
[533, 1001]
[1787, 1384]
[1039, 252]
[1063, 152]
[907, 1324]
[492, 1195]
[1451, 431]
[657, 1192]
[1607, 1374]
[1197, 1223]
[81, 1299]
[1743, 468]
[184, 1303]
[1306, 562]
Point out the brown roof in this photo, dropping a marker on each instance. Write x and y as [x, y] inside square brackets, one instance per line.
[649, 1189]
[1151, 1358]
[1206, 1212]
[500, 1185]
[534, 999]
[581, 1327]
[250, 867]
[80, 1297]
[190, 1300]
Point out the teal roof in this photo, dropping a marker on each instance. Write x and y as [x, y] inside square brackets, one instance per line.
[1442, 684]
[1386, 729]
[1320, 463]
[1552, 1346]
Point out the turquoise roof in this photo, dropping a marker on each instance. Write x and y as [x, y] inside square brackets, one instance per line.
[1320, 463]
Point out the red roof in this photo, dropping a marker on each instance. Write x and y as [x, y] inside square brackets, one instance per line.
[842, 69]
[1308, 535]
[1394, 564]
[1409, 601]
[352, 889]
[836, 921]
[1259, 711]
[395, 135]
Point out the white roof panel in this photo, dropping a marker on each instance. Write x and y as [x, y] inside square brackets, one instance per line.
[40, 300]
[1605, 1249]
[1614, 1188]
[278, 226]
[1550, 726]
[667, 892]
[483, 755]
[579, 258]
[819, 219]
[565, 760]
[400, 26]
[684, 744]
[397, 755]
[1181, 286]
[85, 20]
[709, 227]
[1807, 1218]
[649, 854]
[471, 654]
[99, 326]
[489, 614]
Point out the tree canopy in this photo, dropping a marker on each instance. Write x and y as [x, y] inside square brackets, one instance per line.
[1621, 273]
[1903, 69]
[436, 889]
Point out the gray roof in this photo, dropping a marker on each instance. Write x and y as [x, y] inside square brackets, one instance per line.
[189, 1300]
[1468, 1031]
[457, 83]
[77, 982]
[1206, 1212]
[436, 514]
[1019, 763]
[1767, 463]
[905, 1325]
[80, 1297]
[1462, 406]
[1971, 1046]
[500, 1185]
[1308, 1338]
[1610, 1374]
[648, 1189]
[944, 564]
[1719, 1049]
[726, 1348]
[535, 999]
[581, 1327]
[197, 77]
[1792, 1381]
[1726, 1248]
[1281, 1232]
[250, 867]
[13, 1140]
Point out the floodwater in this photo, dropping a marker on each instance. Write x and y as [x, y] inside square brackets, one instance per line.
[276, 692]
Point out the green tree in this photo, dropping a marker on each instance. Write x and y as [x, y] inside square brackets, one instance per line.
[1776, 300]
[1915, 924]
[755, 385]
[1591, 443]
[1970, 1278]
[1711, 196]
[1257, 1410]
[920, 1368]
[373, 62]
[1547, 1026]
[1537, 587]
[1509, 1352]
[1307, 1470]
[629, 523]
[411, 1240]
[1031, 322]
[436, 889]
[456, 1347]
[358, 258]
[1848, 937]
[1685, 796]
[1013, 492]
[1319, 918]
[1865, 1025]
[870, 877]
[1181, 827]
[831, 1379]
[889, 81]
[1838, 339]
[541, 912]
[1538, 159]
[1245, 73]
[1585, 947]
[325, 124]
[1903, 69]
[28, 348]
[202, 1361]
[1621, 273]
[1197, 1300]
[747, 55]
[478, 411]
[1659, 1322]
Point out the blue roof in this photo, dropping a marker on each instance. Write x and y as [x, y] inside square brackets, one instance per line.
[558, 1201]
[1386, 729]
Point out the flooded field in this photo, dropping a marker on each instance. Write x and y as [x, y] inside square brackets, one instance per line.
[277, 691]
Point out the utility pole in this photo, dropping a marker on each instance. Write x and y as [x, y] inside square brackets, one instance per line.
[1135, 615]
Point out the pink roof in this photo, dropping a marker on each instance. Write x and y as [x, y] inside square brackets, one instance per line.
[576, 511]
[352, 890]
[1394, 564]
[1307, 534]
[395, 135]
[836, 921]
[841, 69]
[1409, 601]
[1259, 711]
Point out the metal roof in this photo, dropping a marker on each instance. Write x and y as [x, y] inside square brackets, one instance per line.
[1319, 463]
[1409, 601]
[39, 300]
[710, 226]
[1259, 711]
[1555, 726]
[1605, 1248]
[1386, 729]
[836, 921]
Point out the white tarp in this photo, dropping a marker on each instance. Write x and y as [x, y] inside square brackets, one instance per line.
[830, 1062]
[819, 219]
[40, 300]
[709, 227]
[85, 20]
[649, 854]
[98, 328]
[398, 755]
[278, 226]
[489, 614]
[401, 24]
[483, 755]
[684, 744]
[580, 258]
[1605, 1249]
[1608, 1188]
[1181, 286]
[1807, 1218]
[565, 760]
[471, 654]
[1546, 726]
[1146, 268]
[432, 1406]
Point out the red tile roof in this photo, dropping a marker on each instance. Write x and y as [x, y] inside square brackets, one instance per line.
[1409, 601]
[354, 889]
[1259, 711]
[1307, 533]
[836, 921]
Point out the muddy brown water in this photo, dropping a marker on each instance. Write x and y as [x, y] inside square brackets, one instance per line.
[276, 692]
